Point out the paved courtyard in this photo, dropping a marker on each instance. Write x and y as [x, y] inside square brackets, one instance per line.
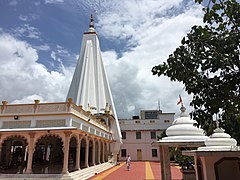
[138, 171]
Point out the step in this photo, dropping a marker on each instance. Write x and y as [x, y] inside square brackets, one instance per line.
[35, 177]
[89, 172]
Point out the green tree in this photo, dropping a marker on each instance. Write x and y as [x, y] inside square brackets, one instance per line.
[207, 63]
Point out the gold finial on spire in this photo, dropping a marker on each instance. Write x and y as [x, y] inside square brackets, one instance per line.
[91, 25]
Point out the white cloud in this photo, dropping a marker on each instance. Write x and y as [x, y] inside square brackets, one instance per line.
[22, 79]
[27, 31]
[53, 1]
[156, 33]
[29, 17]
[43, 47]
[53, 55]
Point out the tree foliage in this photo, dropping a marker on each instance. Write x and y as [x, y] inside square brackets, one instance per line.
[207, 62]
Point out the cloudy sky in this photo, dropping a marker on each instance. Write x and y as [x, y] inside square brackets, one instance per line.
[40, 43]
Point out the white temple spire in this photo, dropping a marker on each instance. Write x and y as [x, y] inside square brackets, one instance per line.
[89, 87]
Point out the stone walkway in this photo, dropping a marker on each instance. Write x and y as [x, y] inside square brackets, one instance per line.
[138, 171]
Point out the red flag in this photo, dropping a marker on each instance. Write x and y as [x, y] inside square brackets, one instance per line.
[180, 100]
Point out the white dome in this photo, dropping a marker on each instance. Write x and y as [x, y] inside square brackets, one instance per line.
[219, 141]
[183, 129]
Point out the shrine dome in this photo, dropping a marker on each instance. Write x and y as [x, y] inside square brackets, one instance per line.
[183, 129]
[219, 141]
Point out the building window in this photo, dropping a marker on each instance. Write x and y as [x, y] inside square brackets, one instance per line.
[123, 135]
[154, 153]
[138, 135]
[137, 122]
[151, 115]
[153, 135]
[123, 152]
[166, 121]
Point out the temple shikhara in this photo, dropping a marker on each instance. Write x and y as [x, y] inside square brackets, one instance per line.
[63, 137]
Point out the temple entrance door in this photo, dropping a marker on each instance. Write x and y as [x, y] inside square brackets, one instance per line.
[14, 155]
[48, 155]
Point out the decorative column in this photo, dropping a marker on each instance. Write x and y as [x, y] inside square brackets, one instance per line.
[86, 153]
[99, 152]
[103, 153]
[78, 153]
[30, 153]
[66, 152]
[93, 153]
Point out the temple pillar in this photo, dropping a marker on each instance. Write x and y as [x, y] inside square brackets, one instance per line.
[66, 152]
[103, 153]
[99, 152]
[30, 153]
[165, 162]
[93, 153]
[78, 154]
[86, 153]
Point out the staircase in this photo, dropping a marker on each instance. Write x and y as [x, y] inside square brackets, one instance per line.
[89, 172]
[76, 175]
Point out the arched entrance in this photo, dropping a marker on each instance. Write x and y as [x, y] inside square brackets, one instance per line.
[48, 155]
[72, 154]
[82, 153]
[14, 155]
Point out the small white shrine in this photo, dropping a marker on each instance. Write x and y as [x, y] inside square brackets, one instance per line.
[219, 159]
[182, 133]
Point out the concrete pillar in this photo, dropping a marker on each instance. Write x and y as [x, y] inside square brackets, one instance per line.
[196, 167]
[86, 153]
[78, 154]
[103, 152]
[161, 161]
[99, 152]
[66, 152]
[93, 153]
[30, 153]
[165, 163]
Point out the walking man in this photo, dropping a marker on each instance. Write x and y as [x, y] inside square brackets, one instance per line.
[128, 162]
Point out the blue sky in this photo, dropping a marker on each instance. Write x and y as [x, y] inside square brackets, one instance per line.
[40, 42]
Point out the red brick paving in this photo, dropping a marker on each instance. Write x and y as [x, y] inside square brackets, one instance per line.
[137, 172]
[175, 172]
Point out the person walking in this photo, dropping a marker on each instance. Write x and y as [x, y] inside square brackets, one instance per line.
[128, 162]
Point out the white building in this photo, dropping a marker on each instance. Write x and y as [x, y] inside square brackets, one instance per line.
[139, 133]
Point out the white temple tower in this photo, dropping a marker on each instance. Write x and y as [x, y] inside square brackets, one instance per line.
[90, 87]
